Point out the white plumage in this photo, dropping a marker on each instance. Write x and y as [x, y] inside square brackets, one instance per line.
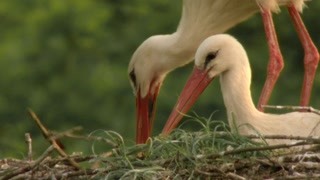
[160, 54]
[231, 64]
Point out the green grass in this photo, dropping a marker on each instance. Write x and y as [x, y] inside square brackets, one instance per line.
[213, 152]
[179, 154]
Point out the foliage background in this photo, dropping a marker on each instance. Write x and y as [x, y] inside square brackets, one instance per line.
[67, 60]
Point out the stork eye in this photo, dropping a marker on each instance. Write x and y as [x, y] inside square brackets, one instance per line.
[132, 76]
[210, 57]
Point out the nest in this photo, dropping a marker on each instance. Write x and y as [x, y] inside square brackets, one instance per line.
[207, 154]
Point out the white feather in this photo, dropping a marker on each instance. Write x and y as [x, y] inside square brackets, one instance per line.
[232, 65]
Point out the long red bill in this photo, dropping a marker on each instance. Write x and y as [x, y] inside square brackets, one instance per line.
[145, 115]
[195, 85]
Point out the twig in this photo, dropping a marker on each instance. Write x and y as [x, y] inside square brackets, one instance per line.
[45, 132]
[214, 169]
[301, 176]
[76, 174]
[29, 144]
[252, 149]
[51, 139]
[67, 133]
[257, 136]
[316, 140]
[91, 138]
[295, 108]
[235, 176]
[76, 158]
[30, 167]
[43, 156]
[302, 157]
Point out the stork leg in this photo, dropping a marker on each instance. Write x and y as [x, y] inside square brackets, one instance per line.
[311, 55]
[275, 60]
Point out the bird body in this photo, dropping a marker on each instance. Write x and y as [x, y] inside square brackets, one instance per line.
[232, 65]
[243, 115]
[160, 54]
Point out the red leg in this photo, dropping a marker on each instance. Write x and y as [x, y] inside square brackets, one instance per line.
[275, 62]
[311, 55]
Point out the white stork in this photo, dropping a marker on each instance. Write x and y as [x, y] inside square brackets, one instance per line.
[160, 54]
[222, 55]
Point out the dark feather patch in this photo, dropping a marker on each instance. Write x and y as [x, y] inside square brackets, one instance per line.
[210, 57]
[132, 76]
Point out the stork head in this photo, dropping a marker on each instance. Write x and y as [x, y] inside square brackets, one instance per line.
[147, 69]
[217, 54]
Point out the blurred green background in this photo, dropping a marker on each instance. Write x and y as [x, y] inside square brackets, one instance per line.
[67, 60]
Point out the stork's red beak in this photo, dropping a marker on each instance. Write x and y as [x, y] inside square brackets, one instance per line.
[195, 85]
[145, 115]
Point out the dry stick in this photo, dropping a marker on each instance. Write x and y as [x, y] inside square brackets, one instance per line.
[77, 174]
[206, 173]
[298, 177]
[70, 134]
[295, 158]
[67, 132]
[257, 136]
[316, 140]
[76, 158]
[29, 143]
[235, 176]
[252, 149]
[30, 167]
[51, 139]
[295, 108]
[90, 138]
[45, 132]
